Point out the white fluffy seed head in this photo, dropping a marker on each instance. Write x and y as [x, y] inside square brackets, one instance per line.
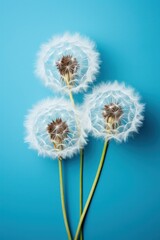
[43, 114]
[124, 97]
[80, 48]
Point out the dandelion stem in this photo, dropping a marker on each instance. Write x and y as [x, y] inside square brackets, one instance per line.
[81, 171]
[71, 98]
[92, 190]
[63, 200]
[81, 160]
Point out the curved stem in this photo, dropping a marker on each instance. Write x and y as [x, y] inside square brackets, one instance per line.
[81, 189]
[63, 200]
[92, 189]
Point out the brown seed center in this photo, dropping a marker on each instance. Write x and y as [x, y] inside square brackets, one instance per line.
[112, 114]
[58, 131]
[68, 67]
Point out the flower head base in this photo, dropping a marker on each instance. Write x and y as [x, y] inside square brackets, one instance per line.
[52, 129]
[113, 111]
[58, 131]
[112, 114]
[68, 67]
[69, 57]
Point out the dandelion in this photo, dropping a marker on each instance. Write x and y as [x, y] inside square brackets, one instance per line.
[52, 129]
[112, 111]
[68, 62]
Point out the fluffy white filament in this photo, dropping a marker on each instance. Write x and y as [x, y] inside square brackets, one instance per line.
[44, 113]
[78, 47]
[116, 93]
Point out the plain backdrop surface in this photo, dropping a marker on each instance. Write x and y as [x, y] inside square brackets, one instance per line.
[126, 205]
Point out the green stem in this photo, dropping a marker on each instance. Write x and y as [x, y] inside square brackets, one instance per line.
[81, 160]
[63, 200]
[92, 189]
[81, 189]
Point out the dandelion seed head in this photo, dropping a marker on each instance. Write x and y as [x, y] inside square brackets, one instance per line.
[82, 56]
[113, 111]
[52, 129]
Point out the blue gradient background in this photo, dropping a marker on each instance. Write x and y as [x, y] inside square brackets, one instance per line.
[126, 205]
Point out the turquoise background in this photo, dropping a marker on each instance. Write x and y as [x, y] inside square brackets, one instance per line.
[126, 205]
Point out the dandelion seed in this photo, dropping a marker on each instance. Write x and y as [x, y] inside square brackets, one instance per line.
[112, 113]
[58, 131]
